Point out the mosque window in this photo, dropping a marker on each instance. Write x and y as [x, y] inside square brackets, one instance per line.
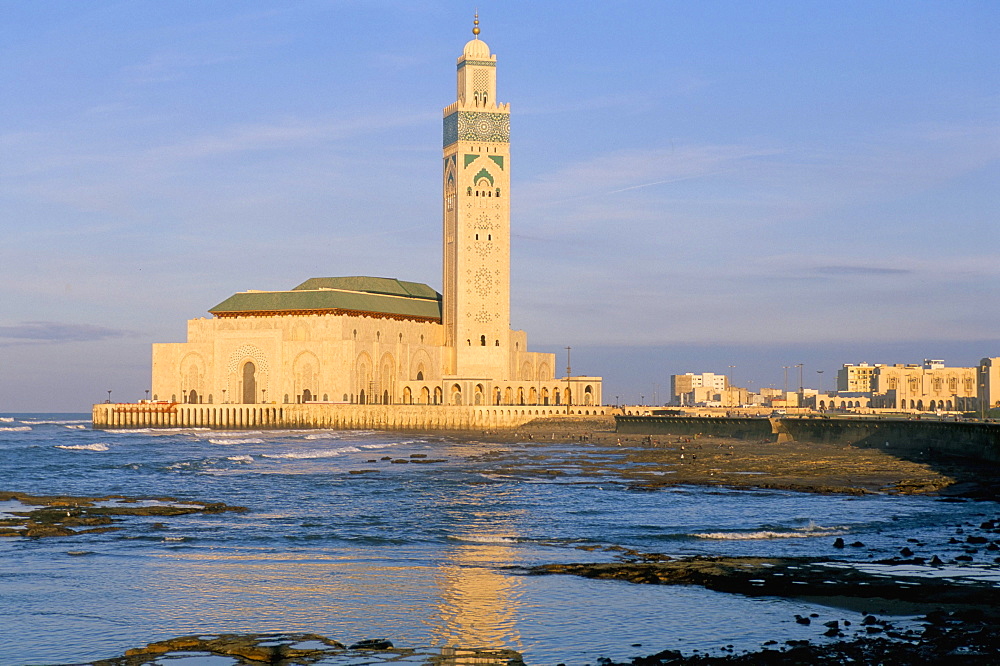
[498, 193]
[286, 398]
[326, 397]
[468, 191]
[497, 344]
[482, 340]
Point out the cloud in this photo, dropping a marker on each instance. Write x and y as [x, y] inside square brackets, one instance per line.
[56, 332]
[861, 270]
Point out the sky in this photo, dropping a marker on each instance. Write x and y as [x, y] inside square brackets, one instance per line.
[713, 186]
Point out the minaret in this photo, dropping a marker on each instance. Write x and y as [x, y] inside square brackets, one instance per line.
[476, 207]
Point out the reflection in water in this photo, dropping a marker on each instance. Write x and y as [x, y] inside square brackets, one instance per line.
[479, 605]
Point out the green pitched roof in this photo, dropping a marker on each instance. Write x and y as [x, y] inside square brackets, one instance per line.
[347, 295]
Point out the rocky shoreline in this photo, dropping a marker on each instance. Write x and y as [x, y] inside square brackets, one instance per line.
[66, 515]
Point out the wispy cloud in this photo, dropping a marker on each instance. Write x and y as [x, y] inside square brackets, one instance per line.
[57, 332]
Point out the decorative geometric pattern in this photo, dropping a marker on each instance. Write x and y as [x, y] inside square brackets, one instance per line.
[483, 175]
[469, 158]
[247, 350]
[480, 63]
[482, 221]
[480, 80]
[480, 126]
[498, 159]
[483, 282]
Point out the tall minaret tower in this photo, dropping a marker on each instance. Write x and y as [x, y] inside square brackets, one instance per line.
[476, 210]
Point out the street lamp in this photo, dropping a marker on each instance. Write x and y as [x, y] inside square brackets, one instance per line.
[109, 396]
[801, 387]
[147, 395]
[263, 395]
[732, 372]
[785, 368]
[223, 396]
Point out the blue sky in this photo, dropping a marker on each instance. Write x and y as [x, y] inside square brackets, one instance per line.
[694, 186]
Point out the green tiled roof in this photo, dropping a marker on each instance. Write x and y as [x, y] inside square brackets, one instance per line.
[350, 295]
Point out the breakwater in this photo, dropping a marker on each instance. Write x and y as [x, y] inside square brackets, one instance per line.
[332, 416]
[973, 439]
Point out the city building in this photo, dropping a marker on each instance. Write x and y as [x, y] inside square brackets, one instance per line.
[682, 386]
[376, 340]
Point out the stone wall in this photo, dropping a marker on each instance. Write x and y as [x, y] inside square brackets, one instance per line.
[338, 416]
[974, 439]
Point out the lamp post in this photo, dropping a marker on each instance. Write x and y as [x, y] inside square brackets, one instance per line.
[801, 387]
[263, 395]
[820, 380]
[785, 368]
[732, 372]
[982, 393]
[109, 396]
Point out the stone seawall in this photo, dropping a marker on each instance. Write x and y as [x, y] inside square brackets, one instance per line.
[338, 416]
[973, 439]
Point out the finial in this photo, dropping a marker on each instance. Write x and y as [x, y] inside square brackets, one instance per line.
[475, 25]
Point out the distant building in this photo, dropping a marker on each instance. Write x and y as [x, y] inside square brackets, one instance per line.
[988, 393]
[857, 378]
[683, 386]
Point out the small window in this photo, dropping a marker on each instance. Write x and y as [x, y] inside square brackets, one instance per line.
[482, 340]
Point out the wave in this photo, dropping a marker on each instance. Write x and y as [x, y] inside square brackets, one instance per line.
[798, 533]
[6, 419]
[33, 422]
[240, 458]
[16, 429]
[309, 455]
[249, 440]
[76, 427]
[99, 446]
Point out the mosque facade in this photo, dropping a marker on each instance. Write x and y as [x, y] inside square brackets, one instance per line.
[382, 341]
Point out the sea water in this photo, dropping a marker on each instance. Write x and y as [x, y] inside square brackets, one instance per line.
[426, 554]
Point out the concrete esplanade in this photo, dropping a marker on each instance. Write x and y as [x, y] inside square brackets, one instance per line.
[973, 439]
[333, 416]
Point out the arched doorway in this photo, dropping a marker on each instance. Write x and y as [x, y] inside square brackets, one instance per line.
[306, 395]
[249, 383]
[193, 397]
[361, 398]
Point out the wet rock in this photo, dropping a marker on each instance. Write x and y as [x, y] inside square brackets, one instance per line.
[976, 539]
[857, 544]
[838, 543]
[802, 620]
[905, 552]
[937, 561]
[372, 644]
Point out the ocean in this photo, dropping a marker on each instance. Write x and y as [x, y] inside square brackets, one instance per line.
[413, 538]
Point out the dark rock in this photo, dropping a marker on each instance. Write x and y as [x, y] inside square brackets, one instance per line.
[976, 539]
[964, 558]
[838, 543]
[857, 544]
[905, 552]
[802, 620]
[372, 644]
[993, 547]
[870, 619]
[937, 561]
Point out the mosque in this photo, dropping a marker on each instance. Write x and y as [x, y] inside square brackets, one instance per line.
[383, 341]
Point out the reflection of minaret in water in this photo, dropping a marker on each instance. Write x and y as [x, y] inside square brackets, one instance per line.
[479, 605]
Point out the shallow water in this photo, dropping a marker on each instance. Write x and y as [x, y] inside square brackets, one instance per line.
[417, 553]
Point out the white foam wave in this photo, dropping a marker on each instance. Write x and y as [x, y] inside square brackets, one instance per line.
[76, 427]
[16, 429]
[99, 446]
[6, 419]
[232, 435]
[240, 458]
[249, 440]
[57, 422]
[309, 455]
[768, 534]
[486, 539]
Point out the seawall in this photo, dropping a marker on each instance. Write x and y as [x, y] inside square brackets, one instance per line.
[333, 416]
[973, 439]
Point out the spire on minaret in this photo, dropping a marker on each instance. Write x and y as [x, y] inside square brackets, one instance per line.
[475, 25]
